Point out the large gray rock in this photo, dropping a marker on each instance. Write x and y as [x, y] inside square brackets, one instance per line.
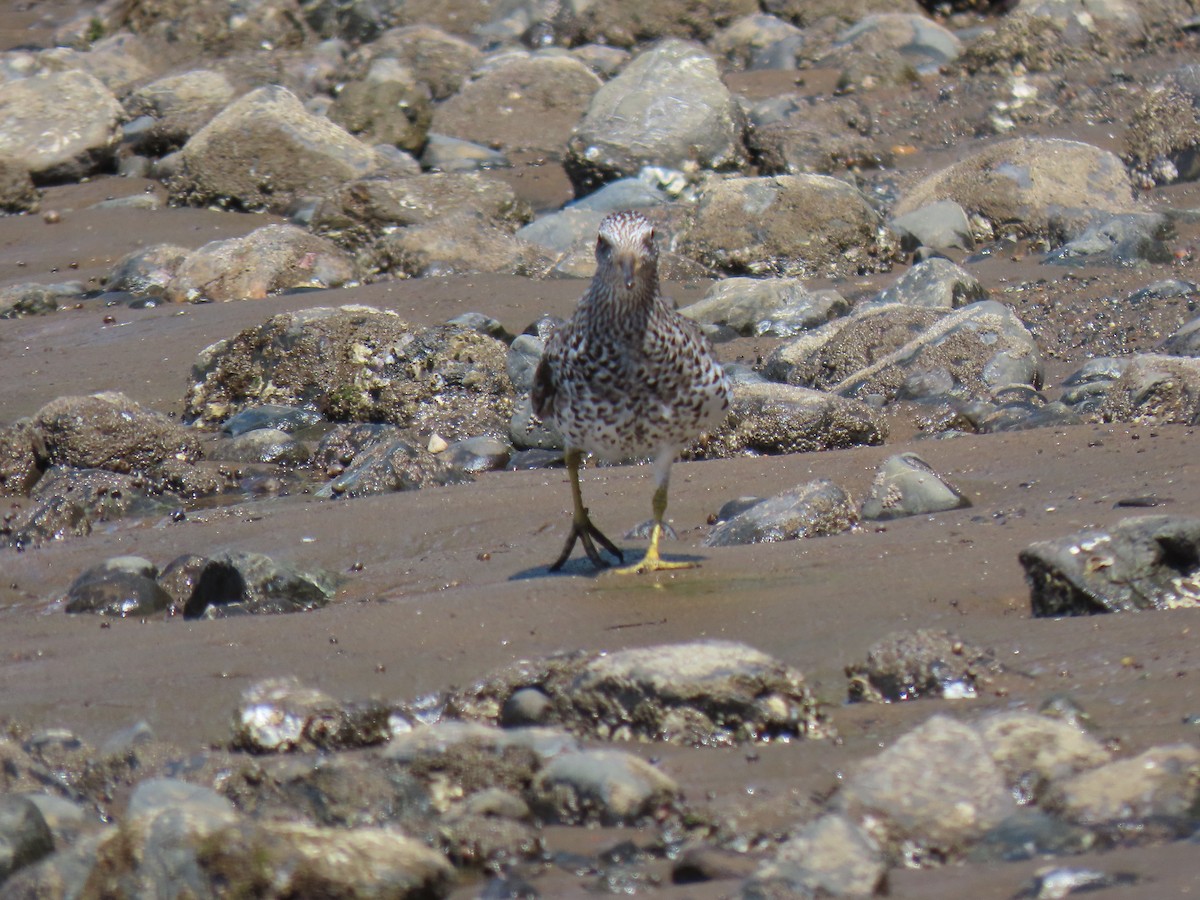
[60, 125]
[1123, 240]
[936, 283]
[909, 665]
[1042, 186]
[147, 271]
[1185, 341]
[22, 458]
[1142, 562]
[393, 466]
[830, 857]
[268, 260]
[388, 106]
[667, 108]
[1164, 131]
[759, 41]
[815, 509]
[1037, 752]
[263, 151]
[608, 787]
[24, 835]
[906, 485]
[933, 792]
[765, 306]
[180, 105]
[787, 225]
[1155, 389]
[918, 40]
[441, 61]
[554, 91]
[461, 243]
[357, 363]
[281, 715]
[779, 418]
[940, 225]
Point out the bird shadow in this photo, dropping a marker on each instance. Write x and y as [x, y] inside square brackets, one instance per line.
[582, 567]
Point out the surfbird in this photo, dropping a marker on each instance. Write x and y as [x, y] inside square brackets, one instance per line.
[627, 377]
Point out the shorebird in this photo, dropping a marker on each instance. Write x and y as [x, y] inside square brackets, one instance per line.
[627, 377]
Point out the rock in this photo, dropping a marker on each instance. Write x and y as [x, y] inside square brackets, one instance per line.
[553, 91]
[22, 456]
[920, 42]
[1037, 752]
[940, 225]
[1060, 881]
[281, 715]
[667, 108]
[147, 272]
[394, 466]
[816, 135]
[929, 795]
[17, 193]
[114, 588]
[1158, 389]
[566, 229]
[906, 485]
[621, 25]
[1155, 789]
[155, 795]
[802, 225]
[239, 582]
[478, 454]
[1184, 342]
[264, 151]
[909, 665]
[778, 418]
[831, 856]
[815, 509]
[356, 363]
[20, 300]
[268, 260]
[24, 835]
[936, 283]
[213, 27]
[1039, 186]
[1164, 131]
[766, 306]
[1120, 241]
[361, 211]
[704, 693]
[110, 431]
[263, 445]
[62, 126]
[1142, 562]
[524, 354]
[528, 432]
[460, 243]
[441, 61]
[447, 154]
[179, 105]
[606, 787]
[388, 106]
[274, 416]
[759, 41]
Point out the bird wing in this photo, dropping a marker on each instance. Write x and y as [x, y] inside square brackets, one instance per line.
[544, 388]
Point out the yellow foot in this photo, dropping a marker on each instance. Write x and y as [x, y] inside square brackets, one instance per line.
[653, 563]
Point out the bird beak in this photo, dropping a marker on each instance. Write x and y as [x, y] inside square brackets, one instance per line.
[627, 266]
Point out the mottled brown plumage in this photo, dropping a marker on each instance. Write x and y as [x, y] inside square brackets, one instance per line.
[626, 376]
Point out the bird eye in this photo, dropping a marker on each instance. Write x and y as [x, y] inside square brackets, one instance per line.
[602, 245]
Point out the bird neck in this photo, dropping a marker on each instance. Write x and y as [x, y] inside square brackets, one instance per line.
[625, 312]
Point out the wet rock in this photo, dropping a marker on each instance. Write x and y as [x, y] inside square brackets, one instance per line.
[1142, 562]
[266, 261]
[263, 445]
[17, 193]
[461, 243]
[478, 454]
[802, 225]
[263, 151]
[1039, 186]
[815, 509]
[66, 819]
[452, 155]
[1088, 386]
[240, 582]
[20, 300]
[1120, 241]
[24, 835]
[1184, 342]
[394, 466]
[212, 26]
[820, 135]
[281, 715]
[909, 665]
[526, 706]
[921, 42]
[554, 91]
[1030, 833]
[21, 458]
[1157, 389]
[936, 283]
[940, 225]
[524, 353]
[1164, 131]
[1055, 882]
[118, 587]
[147, 272]
[342, 443]
[777, 418]
[906, 485]
[621, 25]
[560, 231]
[1157, 788]
[361, 211]
[110, 431]
[607, 787]
[831, 856]
[275, 416]
[930, 795]
[356, 363]
[1037, 752]
[388, 106]
[179, 105]
[61, 125]
[441, 61]
[667, 108]
[759, 41]
[529, 433]
[766, 306]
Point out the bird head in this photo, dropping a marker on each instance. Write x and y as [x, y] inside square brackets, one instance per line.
[626, 255]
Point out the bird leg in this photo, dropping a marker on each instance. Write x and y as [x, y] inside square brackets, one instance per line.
[652, 562]
[582, 528]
